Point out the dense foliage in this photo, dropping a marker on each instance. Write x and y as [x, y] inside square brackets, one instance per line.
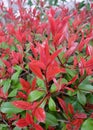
[46, 68]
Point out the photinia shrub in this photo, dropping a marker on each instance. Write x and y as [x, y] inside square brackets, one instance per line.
[46, 68]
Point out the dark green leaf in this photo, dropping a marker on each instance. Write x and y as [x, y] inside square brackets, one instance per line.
[88, 6]
[82, 4]
[81, 97]
[85, 85]
[30, 2]
[87, 88]
[78, 106]
[51, 120]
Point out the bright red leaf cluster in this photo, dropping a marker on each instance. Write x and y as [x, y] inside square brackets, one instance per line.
[46, 68]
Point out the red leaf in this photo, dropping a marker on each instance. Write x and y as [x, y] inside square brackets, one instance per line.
[71, 40]
[40, 114]
[22, 105]
[89, 106]
[77, 21]
[21, 95]
[36, 70]
[25, 84]
[21, 123]
[81, 44]
[73, 79]
[89, 63]
[52, 25]
[89, 50]
[33, 84]
[41, 65]
[70, 109]
[80, 115]
[63, 105]
[52, 71]
[68, 127]
[77, 123]
[2, 94]
[57, 38]
[71, 89]
[71, 50]
[44, 52]
[54, 55]
[38, 127]
[29, 119]
[75, 61]
[82, 65]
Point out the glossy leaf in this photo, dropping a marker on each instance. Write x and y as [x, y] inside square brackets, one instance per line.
[80, 115]
[22, 105]
[51, 120]
[40, 83]
[29, 119]
[21, 123]
[52, 105]
[35, 95]
[7, 107]
[87, 125]
[6, 85]
[25, 84]
[36, 70]
[38, 127]
[13, 93]
[40, 114]
[81, 97]
[62, 104]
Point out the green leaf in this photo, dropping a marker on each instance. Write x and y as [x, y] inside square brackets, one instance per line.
[52, 105]
[53, 88]
[71, 72]
[13, 93]
[51, 120]
[88, 6]
[90, 98]
[40, 83]
[2, 126]
[64, 81]
[78, 106]
[82, 4]
[17, 68]
[87, 125]
[86, 81]
[70, 93]
[6, 85]
[85, 85]
[16, 128]
[7, 107]
[43, 103]
[30, 2]
[35, 95]
[4, 45]
[15, 76]
[81, 97]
